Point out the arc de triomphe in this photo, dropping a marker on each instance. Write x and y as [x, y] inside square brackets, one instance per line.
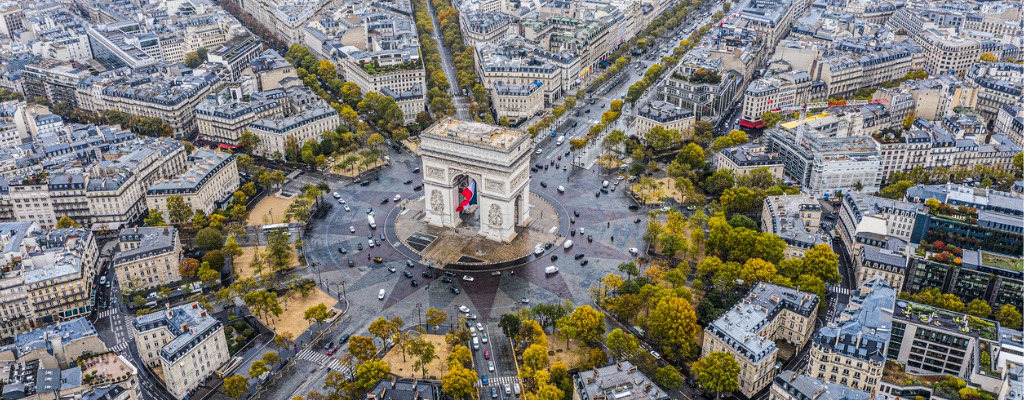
[456, 153]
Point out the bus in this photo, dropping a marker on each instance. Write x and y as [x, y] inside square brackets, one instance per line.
[276, 228]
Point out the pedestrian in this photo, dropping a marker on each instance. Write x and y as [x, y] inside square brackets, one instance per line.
[613, 239]
[609, 224]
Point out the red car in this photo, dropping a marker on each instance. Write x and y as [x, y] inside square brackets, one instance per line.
[487, 354]
[331, 350]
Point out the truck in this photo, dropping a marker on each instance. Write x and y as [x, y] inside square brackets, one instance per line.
[560, 140]
[371, 221]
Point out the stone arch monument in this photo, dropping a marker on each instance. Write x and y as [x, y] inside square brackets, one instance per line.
[496, 161]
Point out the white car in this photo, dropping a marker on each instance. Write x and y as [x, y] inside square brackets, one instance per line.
[561, 189]
[463, 309]
[352, 229]
[347, 209]
[370, 242]
[342, 201]
[634, 251]
[467, 278]
[656, 355]
[540, 151]
[380, 294]
[398, 198]
[582, 231]
[336, 195]
[472, 331]
[483, 337]
[525, 301]
[479, 327]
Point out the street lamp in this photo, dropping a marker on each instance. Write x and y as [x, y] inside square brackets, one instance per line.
[343, 289]
[419, 312]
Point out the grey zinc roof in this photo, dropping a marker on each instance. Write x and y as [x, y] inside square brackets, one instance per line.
[69, 331]
[620, 381]
[152, 241]
[883, 256]
[12, 234]
[863, 328]
[203, 164]
[741, 326]
[189, 323]
[805, 387]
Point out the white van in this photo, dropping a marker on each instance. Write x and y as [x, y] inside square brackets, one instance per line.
[604, 184]
[371, 221]
[476, 343]
[550, 270]
[561, 139]
[567, 244]
[561, 189]
[380, 294]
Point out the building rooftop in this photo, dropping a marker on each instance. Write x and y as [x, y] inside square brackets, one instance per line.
[395, 388]
[663, 111]
[787, 220]
[477, 133]
[203, 164]
[947, 320]
[151, 241]
[621, 381]
[751, 154]
[741, 327]
[801, 386]
[863, 328]
[980, 198]
[189, 324]
[69, 331]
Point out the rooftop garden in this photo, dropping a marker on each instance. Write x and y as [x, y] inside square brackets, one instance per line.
[940, 252]
[955, 213]
[888, 135]
[36, 179]
[945, 386]
[374, 68]
[1002, 262]
[704, 76]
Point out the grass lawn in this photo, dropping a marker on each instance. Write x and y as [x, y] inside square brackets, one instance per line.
[268, 211]
[1002, 262]
[405, 368]
[295, 306]
[344, 170]
[241, 263]
[558, 351]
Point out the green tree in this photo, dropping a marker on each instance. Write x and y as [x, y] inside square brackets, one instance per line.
[235, 386]
[192, 60]
[621, 343]
[1009, 317]
[207, 274]
[584, 324]
[370, 372]
[362, 348]
[258, 368]
[318, 314]
[436, 316]
[822, 262]
[717, 372]
[979, 308]
[673, 325]
[231, 247]
[424, 352]
[692, 155]
[178, 210]
[155, 218]
[510, 325]
[668, 377]
[271, 358]
[459, 381]
[770, 119]
[741, 200]
[209, 239]
[66, 222]
[279, 250]
[215, 259]
[896, 190]
[460, 354]
[535, 358]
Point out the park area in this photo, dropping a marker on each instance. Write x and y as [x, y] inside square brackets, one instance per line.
[270, 210]
[569, 353]
[405, 368]
[654, 191]
[243, 263]
[345, 167]
[291, 321]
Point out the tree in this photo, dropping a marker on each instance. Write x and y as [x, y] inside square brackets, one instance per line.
[692, 155]
[66, 222]
[351, 94]
[621, 344]
[668, 377]
[258, 368]
[510, 325]
[896, 190]
[271, 358]
[188, 267]
[717, 372]
[215, 259]
[370, 372]
[726, 7]
[460, 354]
[424, 352]
[770, 119]
[200, 220]
[192, 60]
[673, 325]
[317, 313]
[988, 57]
[262, 301]
[979, 308]
[535, 358]
[207, 274]
[383, 329]
[231, 247]
[236, 386]
[584, 324]
[1008, 316]
[362, 348]
[459, 381]
[155, 218]
[436, 317]
[741, 200]
[822, 262]
[178, 210]
[279, 250]
[209, 239]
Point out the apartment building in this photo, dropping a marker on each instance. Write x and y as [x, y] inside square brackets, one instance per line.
[772, 94]
[850, 350]
[621, 380]
[929, 340]
[743, 159]
[936, 97]
[404, 388]
[513, 62]
[826, 164]
[517, 102]
[56, 346]
[222, 117]
[186, 342]
[52, 80]
[948, 144]
[236, 55]
[286, 19]
[789, 385]
[702, 85]
[864, 213]
[158, 93]
[1010, 123]
[749, 330]
[666, 115]
[998, 84]
[147, 257]
[268, 71]
[123, 44]
[12, 19]
[990, 220]
[945, 51]
[797, 220]
[882, 257]
[207, 184]
[306, 117]
[479, 27]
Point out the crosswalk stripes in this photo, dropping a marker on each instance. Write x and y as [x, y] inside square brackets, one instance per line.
[839, 290]
[326, 360]
[120, 347]
[129, 325]
[107, 313]
[500, 381]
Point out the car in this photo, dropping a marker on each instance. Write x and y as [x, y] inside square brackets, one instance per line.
[472, 331]
[328, 345]
[369, 235]
[479, 327]
[582, 230]
[483, 337]
[409, 264]
[407, 274]
[463, 309]
[342, 250]
[446, 279]
[367, 183]
[495, 273]
[376, 242]
[490, 366]
[352, 229]
[449, 273]
[415, 170]
[380, 294]
[539, 151]
[691, 382]
[351, 263]
[494, 393]
[634, 251]
[598, 194]
[584, 263]
[533, 169]
[427, 274]
[408, 182]
[359, 246]
[487, 354]
[417, 188]
[341, 201]
[370, 242]
[484, 380]
[378, 260]
[332, 349]
[524, 300]
[665, 209]
[385, 201]
[561, 189]
[544, 185]
[456, 290]
[636, 221]
[587, 111]
[578, 256]
[369, 210]
[554, 257]
[397, 198]
[471, 316]
[508, 389]
[467, 278]
[392, 269]
[656, 355]
[381, 236]
[347, 209]
[590, 238]
[414, 283]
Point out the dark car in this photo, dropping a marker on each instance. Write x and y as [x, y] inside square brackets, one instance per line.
[417, 188]
[409, 263]
[449, 273]
[533, 169]
[584, 262]
[598, 194]
[636, 221]
[427, 274]
[407, 274]
[575, 213]
[367, 183]
[633, 207]
[456, 290]
[343, 339]
[408, 182]
[415, 170]
[382, 236]
[542, 184]
[605, 191]
[369, 235]
[351, 263]
[578, 256]
[359, 246]
[554, 257]
[342, 250]
[385, 201]
[590, 238]
[446, 279]
[415, 282]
